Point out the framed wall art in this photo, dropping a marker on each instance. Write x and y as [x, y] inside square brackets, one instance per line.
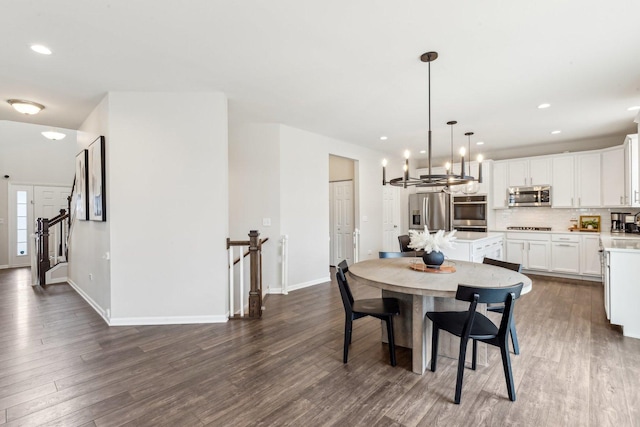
[80, 193]
[97, 198]
[590, 222]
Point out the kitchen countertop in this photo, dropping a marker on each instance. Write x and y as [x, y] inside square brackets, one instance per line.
[620, 242]
[553, 231]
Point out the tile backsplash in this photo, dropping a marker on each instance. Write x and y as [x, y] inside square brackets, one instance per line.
[557, 219]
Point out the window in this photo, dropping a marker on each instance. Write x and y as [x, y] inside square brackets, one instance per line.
[21, 240]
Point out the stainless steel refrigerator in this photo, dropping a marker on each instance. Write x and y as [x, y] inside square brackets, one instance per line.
[432, 209]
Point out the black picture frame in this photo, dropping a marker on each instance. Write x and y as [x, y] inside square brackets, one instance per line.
[97, 180]
[81, 190]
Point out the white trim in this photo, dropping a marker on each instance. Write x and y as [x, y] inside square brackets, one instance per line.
[103, 313]
[563, 275]
[300, 285]
[166, 320]
[2, 267]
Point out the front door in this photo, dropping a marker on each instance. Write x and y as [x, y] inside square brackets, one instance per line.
[26, 203]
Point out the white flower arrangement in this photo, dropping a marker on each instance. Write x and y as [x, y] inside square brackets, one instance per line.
[423, 240]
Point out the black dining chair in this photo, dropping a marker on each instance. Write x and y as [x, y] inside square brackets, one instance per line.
[404, 241]
[477, 327]
[499, 308]
[380, 308]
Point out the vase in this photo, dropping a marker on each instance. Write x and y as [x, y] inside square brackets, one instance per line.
[433, 259]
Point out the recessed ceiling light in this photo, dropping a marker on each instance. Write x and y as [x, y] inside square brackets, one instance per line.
[25, 107]
[545, 105]
[480, 143]
[555, 132]
[41, 49]
[383, 138]
[54, 136]
[423, 151]
[634, 108]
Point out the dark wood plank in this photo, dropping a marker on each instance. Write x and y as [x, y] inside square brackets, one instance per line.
[62, 366]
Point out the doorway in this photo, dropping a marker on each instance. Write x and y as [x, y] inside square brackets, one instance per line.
[342, 207]
[26, 203]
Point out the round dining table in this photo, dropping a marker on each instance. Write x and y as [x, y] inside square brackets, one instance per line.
[423, 291]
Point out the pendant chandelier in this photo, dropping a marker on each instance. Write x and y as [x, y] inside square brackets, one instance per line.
[431, 179]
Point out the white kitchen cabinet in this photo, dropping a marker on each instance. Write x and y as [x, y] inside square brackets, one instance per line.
[528, 172]
[529, 249]
[499, 185]
[632, 170]
[576, 181]
[590, 264]
[588, 191]
[565, 253]
[562, 182]
[475, 251]
[613, 177]
[623, 290]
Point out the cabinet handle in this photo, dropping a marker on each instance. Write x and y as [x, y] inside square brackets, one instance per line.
[635, 196]
[563, 245]
[621, 202]
[572, 201]
[579, 202]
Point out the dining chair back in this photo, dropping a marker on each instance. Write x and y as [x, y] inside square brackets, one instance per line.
[499, 308]
[475, 326]
[380, 308]
[404, 241]
[399, 254]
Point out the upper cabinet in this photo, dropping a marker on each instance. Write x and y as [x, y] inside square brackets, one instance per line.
[614, 190]
[632, 170]
[528, 172]
[499, 185]
[576, 181]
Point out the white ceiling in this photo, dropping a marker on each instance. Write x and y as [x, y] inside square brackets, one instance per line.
[348, 69]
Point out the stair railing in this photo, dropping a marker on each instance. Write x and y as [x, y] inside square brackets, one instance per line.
[42, 234]
[254, 251]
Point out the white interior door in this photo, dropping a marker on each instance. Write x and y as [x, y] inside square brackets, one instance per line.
[342, 232]
[390, 218]
[21, 222]
[47, 203]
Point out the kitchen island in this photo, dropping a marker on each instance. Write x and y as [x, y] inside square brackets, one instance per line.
[474, 246]
[622, 280]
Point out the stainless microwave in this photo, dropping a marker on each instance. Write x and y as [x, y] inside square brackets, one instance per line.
[539, 195]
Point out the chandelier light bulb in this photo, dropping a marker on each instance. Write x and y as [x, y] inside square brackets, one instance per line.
[480, 158]
[384, 163]
[406, 154]
[462, 151]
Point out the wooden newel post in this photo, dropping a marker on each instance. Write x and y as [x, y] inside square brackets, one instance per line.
[255, 294]
[43, 249]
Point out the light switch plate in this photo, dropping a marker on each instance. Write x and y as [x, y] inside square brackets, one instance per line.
[266, 222]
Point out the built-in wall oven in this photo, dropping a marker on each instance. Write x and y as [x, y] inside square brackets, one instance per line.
[470, 212]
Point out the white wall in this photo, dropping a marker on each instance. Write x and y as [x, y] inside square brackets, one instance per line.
[168, 206]
[89, 240]
[254, 180]
[29, 158]
[167, 216]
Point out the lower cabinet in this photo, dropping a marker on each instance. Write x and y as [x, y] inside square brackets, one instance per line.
[590, 257]
[529, 249]
[565, 253]
[475, 251]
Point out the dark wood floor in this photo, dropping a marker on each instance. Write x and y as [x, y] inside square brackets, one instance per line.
[61, 365]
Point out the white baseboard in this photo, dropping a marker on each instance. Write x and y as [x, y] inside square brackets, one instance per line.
[563, 275]
[166, 320]
[297, 286]
[2, 267]
[102, 312]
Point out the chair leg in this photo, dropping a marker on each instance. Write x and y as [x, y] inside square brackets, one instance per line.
[461, 358]
[474, 357]
[514, 336]
[392, 345]
[347, 339]
[434, 347]
[508, 375]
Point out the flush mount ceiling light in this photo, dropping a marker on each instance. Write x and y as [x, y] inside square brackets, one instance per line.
[545, 105]
[54, 136]
[431, 180]
[634, 108]
[383, 138]
[555, 132]
[41, 49]
[480, 143]
[25, 107]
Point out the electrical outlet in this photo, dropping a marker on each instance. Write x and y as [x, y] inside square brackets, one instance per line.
[90, 276]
